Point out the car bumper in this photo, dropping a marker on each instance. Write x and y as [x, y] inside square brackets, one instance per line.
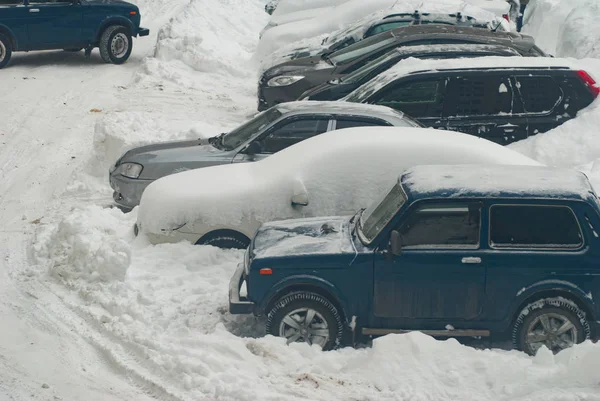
[238, 305]
[143, 32]
[127, 191]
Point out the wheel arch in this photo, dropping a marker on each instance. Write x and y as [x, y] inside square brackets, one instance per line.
[110, 21]
[222, 231]
[4, 30]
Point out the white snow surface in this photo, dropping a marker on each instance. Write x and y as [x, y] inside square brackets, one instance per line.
[90, 313]
[564, 28]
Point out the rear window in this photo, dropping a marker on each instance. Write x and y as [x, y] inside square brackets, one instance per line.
[539, 94]
[479, 95]
[541, 227]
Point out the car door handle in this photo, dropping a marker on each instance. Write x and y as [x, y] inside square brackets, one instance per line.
[34, 10]
[471, 259]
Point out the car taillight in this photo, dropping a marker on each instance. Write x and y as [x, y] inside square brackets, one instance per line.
[506, 17]
[589, 82]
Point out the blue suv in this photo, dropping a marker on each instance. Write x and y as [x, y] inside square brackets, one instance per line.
[71, 25]
[452, 251]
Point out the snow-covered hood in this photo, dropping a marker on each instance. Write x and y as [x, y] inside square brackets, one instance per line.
[314, 236]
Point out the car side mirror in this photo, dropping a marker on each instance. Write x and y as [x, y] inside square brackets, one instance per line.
[253, 148]
[395, 243]
[300, 199]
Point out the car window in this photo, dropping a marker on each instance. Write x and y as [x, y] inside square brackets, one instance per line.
[372, 68]
[443, 225]
[248, 130]
[539, 94]
[10, 2]
[345, 122]
[42, 2]
[379, 213]
[377, 29]
[534, 227]
[359, 50]
[416, 98]
[289, 133]
[479, 95]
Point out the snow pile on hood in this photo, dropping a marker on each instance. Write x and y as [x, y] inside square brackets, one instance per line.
[564, 28]
[88, 244]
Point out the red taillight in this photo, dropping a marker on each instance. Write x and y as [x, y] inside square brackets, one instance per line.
[589, 82]
[132, 13]
[506, 17]
[265, 271]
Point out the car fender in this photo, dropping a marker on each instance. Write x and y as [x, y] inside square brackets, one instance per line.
[304, 280]
[546, 286]
[11, 36]
[114, 20]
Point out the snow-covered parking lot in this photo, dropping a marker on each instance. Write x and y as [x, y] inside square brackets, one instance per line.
[91, 312]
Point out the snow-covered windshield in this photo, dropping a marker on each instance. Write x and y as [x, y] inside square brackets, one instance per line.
[379, 214]
[348, 55]
[246, 131]
[363, 72]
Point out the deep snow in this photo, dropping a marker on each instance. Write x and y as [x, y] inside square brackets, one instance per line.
[89, 312]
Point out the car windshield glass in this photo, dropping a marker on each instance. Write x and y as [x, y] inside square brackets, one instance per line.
[364, 72]
[358, 50]
[378, 214]
[246, 131]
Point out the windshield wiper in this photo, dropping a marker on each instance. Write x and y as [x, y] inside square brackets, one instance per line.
[359, 213]
[327, 59]
[217, 141]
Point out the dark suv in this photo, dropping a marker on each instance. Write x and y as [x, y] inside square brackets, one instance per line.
[452, 251]
[502, 99]
[289, 80]
[71, 25]
[338, 88]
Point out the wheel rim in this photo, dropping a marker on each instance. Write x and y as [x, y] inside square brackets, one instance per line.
[119, 45]
[304, 325]
[2, 51]
[553, 330]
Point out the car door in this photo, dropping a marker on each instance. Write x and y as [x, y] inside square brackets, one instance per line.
[54, 24]
[438, 278]
[286, 133]
[421, 98]
[14, 17]
[542, 99]
[484, 104]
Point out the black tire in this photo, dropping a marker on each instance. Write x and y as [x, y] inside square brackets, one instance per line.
[5, 50]
[110, 48]
[307, 300]
[559, 311]
[225, 239]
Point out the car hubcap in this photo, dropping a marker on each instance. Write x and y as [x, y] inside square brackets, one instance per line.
[304, 325]
[119, 45]
[554, 331]
[2, 51]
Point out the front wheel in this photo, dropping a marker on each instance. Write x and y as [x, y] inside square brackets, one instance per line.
[5, 51]
[306, 317]
[115, 44]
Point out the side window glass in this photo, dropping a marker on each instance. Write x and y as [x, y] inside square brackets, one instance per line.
[386, 27]
[10, 2]
[477, 96]
[358, 122]
[539, 94]
[534, 227]
[292, 132]
[417, 98]
[442, 226]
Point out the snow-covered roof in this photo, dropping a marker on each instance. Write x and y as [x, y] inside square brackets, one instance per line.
[412, 65]
[308, 106]
[495, 181]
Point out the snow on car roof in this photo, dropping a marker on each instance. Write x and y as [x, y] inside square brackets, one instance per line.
[412, 65]
[495, 181]
[307, 106]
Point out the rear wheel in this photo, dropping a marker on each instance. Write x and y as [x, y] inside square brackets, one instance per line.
[115, 44]
[5, 51]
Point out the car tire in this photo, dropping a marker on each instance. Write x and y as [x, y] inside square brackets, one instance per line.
[5, 51]
[556, 323]
[295, 307]
[225, 239]
[115, 44]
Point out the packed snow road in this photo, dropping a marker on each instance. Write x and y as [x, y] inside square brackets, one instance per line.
[90, 312]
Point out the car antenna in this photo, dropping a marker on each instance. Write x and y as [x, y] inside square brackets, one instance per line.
[497, 26]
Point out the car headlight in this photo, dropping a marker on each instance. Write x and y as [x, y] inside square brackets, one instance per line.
[284, 80]
[130, 170]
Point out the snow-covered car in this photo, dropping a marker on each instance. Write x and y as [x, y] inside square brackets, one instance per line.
[502, 99]
[260, 137]
[330, 174]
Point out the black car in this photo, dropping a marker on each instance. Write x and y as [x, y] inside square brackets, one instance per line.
[288, 81]
[338, 88]
[502, 99]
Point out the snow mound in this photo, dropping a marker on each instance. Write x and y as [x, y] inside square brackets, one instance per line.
[564, 28]
[88, 244]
